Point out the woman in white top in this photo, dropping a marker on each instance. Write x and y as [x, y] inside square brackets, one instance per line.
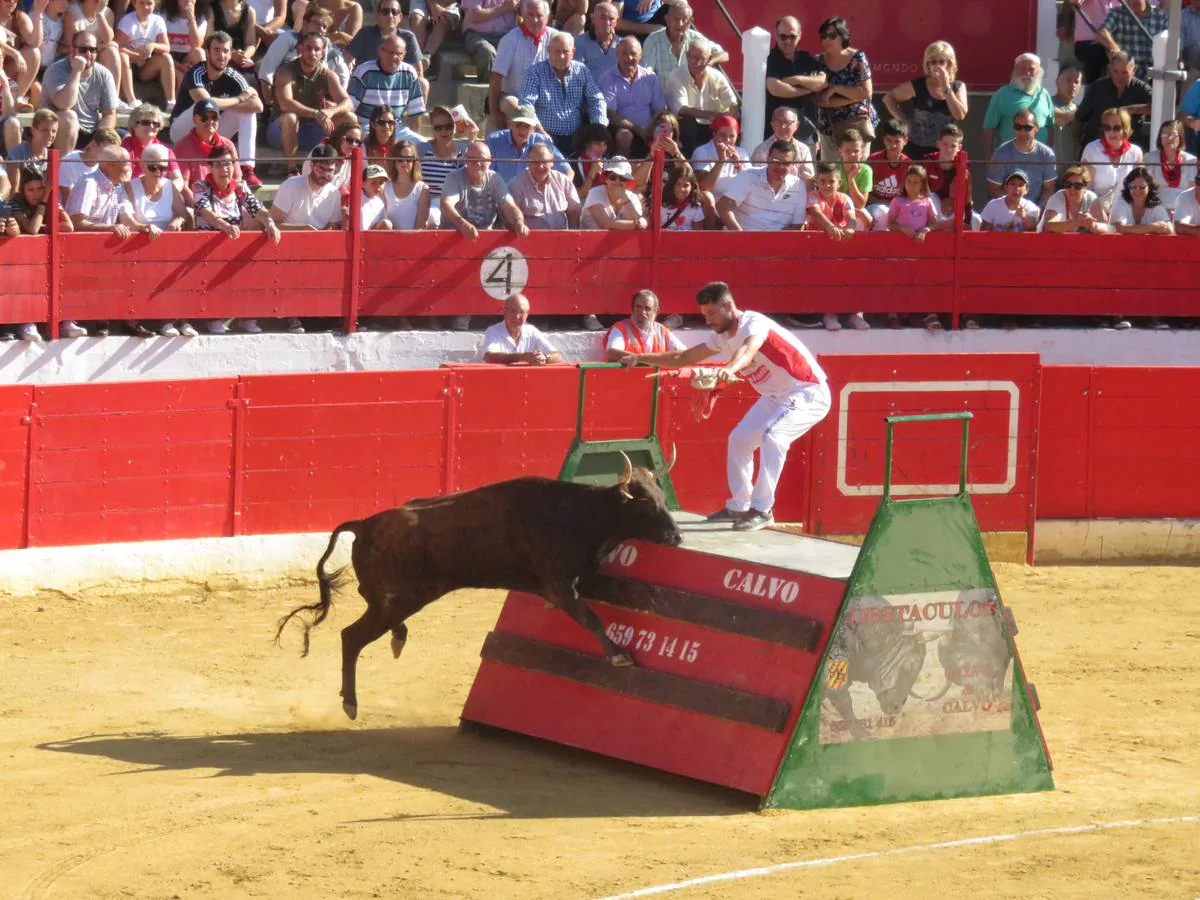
[52, 30]
[156, 203]
[1110, 157]
[1173, 168]
[94, 17]
[613, 206]
[1074, 208]
[1139, 208]
[407, 196]
[146, 49]
[187, 24]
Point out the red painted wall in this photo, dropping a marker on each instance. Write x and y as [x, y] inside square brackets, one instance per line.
[986, 36]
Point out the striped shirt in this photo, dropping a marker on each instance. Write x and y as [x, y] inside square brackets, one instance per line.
[371, 88]
[434, 169]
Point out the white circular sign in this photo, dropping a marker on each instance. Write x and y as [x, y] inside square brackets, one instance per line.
[504, 272]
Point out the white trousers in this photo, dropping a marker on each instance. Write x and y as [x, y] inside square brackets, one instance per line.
[242, 124]
[769, 426]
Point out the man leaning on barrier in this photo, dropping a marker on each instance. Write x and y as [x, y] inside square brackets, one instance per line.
[514, 341]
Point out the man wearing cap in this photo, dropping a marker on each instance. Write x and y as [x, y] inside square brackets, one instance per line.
[1012, 211]
[510, 146]
[640, 333]
[1187, 210]
[598, 51]
[793, 397]
[514, 341]
[475, 197]
[310, 98]
[374, 204]
[721, 158]
[215, 79]
[634, 96]
[695, 93]
[1027, 153]
[1024, 91]
[82, 93]
[518, 51]
[772, 198]
[194, 148]
[557, 88]
[387, 81]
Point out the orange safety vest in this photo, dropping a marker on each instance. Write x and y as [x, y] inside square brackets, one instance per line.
[660, 337]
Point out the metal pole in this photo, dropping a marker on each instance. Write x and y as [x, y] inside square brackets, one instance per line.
[1165, 72]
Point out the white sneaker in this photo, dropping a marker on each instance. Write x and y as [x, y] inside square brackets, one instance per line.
[831, 323]
[169, 330]
[251, 326]
[29, 333]
[187, 329]
[295, 326]
[461, 323]
[218, 326]
[72, 330]
[591, 323]
[858, 323]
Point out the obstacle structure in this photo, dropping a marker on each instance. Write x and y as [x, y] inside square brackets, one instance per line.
[807, 672]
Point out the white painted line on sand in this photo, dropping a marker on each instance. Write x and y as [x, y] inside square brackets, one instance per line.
[898, 851]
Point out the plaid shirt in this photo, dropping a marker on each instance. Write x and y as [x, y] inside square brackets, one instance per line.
[1124, 28]
[558, 100]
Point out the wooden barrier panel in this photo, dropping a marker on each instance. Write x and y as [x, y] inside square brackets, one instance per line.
[26, 266]
[16, 408]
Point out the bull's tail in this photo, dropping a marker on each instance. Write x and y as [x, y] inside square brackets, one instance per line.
[328, 582]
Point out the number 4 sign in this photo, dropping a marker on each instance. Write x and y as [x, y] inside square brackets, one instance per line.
[504, 272]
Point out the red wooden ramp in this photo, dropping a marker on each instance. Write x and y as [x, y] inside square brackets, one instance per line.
[727, 631]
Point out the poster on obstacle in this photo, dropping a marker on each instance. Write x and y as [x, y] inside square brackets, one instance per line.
[917, 665]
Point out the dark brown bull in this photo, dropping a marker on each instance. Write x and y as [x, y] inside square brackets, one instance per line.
[529, 534]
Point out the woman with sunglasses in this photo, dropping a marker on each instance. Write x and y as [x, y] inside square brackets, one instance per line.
[1139, 209]
[613, 206]
[440, 157]
[1074, 208]
[1112, 156]
[406, 195]
[846, 101]
[381, 135]
[145, 124]
[1174, 169]
[938, 99]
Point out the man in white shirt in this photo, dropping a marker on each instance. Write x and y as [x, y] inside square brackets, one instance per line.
[793, 397]
[768, 199]
[696, 92]
[514, 341]
[310, 202]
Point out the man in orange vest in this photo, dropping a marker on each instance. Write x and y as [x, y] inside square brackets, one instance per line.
[640, 333]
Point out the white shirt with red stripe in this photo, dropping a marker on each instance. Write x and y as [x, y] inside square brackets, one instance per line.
[781, 366]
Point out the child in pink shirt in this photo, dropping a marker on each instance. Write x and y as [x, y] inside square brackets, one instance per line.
[914, 213]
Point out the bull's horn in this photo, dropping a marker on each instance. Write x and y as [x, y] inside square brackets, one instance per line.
[666, 470]
[627, 475]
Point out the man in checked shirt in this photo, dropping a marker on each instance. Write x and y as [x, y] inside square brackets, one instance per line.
[557, 89]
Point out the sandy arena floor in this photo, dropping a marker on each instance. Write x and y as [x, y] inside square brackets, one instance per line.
[162, 747]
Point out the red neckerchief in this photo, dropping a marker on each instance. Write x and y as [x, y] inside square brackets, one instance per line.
[1172, 173]
[203, 143]
[536, 38]
[1115, 155]
[216, 191]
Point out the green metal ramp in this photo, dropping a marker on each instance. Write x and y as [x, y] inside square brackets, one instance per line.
[920, 694]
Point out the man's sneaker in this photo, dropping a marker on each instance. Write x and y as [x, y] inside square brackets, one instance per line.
[72, 330]
[1121, 324]
[831, 323]
[218, 326]
[187, 329]
[460, 323]
[591, 323]
[858, 323]
[251, 326]
[169, 330]
[800, 322]
[725, 515]
[100, 329]
[29, 333]
[674, 320]
[754, 521]
[295, 326]
[252, 181]
[138, 329]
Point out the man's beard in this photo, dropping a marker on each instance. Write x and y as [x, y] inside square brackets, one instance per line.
[1028, 85]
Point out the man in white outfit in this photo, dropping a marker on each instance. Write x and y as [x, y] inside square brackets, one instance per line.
[793, 397]
[513, 341]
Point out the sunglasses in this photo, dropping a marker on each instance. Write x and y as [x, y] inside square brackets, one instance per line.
[1075, 185]
[1023, 127]
[211, 118]
[1139, 187]
[613, 176]
[155, 168]
[91, 49]
[447, 127]
[149, 123]
[788, 37]
[390, 11]
[1114, 127]
[386, 123]
[830, 35]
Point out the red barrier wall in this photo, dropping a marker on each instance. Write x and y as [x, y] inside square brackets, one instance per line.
[198, 276]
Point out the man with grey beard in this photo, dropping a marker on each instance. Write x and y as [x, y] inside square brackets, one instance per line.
[1024, 91]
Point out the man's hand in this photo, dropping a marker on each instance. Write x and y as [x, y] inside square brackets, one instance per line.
[121, 231]
[536, 358]
[323, 119]
[521, 230]
[273, 232]
[77, 64]
[467, 230]
[630, 360]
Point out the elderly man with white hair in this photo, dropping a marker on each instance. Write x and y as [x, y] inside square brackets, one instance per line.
[1024, 91]
[665, 50]
[696, 92]
[518, 51]
[557, 88]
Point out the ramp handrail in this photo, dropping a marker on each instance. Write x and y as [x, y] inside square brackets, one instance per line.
[893, 421]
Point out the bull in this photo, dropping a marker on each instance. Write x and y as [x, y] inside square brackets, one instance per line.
[530, 534]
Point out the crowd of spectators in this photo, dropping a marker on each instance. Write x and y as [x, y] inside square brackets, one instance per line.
[581, 96]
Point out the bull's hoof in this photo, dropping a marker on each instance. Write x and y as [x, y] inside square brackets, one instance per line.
[397, 648]
[351, 710]
[621, 659]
